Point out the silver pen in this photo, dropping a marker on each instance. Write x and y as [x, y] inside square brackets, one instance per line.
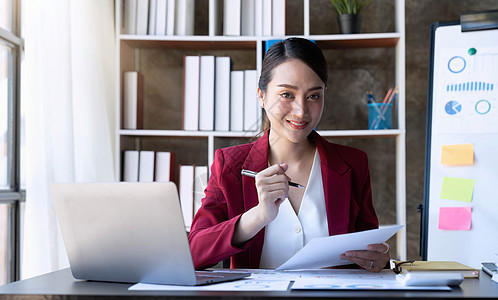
[253, 174]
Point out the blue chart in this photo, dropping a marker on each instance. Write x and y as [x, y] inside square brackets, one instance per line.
[456, 64]
[365, 286]
[470, 86]
[483, 106]
[453, 107]
[322, 286]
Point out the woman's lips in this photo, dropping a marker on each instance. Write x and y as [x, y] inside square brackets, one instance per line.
[299, 125]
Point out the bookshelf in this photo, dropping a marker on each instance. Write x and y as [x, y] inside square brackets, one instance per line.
[160, 60]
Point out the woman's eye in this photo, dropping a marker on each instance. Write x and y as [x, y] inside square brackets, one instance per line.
[314, 97]
[286, 95]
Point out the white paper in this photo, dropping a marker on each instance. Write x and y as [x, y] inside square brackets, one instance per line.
[239, 285]
[325, 251]
[357, 280]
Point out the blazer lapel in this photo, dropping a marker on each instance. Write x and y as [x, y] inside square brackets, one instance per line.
[256, 160]
[336, 177]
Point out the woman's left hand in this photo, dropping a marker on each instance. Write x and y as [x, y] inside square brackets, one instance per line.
[374, 259]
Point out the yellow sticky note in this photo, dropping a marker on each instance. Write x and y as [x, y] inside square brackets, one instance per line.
[457, 154]
[457, 189]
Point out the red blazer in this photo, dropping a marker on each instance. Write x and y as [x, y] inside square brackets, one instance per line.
[346, 184]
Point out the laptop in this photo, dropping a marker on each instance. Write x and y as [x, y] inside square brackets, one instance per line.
[128, 232]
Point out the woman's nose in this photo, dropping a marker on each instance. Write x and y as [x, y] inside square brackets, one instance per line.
[299, 107]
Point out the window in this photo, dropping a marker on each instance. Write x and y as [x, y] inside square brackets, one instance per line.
[10, 191]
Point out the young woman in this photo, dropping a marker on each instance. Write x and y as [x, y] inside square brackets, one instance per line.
[261, 222]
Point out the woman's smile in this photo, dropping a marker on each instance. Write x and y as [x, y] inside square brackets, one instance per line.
[299, 125]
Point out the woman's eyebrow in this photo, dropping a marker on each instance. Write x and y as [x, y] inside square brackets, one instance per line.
[289, 86]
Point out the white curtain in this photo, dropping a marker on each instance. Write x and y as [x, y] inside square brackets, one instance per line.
[68, 95]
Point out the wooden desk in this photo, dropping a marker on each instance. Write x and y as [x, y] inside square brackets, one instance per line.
[62, 285]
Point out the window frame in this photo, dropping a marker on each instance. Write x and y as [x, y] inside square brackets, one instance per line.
[14, 195]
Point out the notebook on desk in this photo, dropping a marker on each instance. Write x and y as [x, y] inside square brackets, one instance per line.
[128, 232]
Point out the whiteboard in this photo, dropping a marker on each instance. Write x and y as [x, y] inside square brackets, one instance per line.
[462, 109]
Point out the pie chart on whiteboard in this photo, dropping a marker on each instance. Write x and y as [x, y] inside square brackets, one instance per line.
[452, 107]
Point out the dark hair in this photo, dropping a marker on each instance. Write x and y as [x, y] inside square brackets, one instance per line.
[291, 48]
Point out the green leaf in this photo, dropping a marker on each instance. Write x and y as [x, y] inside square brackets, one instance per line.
[349, 7]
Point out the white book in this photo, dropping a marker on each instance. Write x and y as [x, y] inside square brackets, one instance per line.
[152, 17]
[206, 93]
[222, 94]
[142, 16]
[186, 182]
[258, 18]
[191, 93]
[247, 18]
[236, 100]
[278, 18]
[130, 166]
[231, 18]
[267, 16]
[170, 19]
[185, 12]
[130, 16]
[164, 166]
[200, 184]
[213, 17]
[251, 100]
[132, 100]
[161, 12]
[146, 166]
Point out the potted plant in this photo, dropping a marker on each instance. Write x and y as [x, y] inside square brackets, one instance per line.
[348, 14]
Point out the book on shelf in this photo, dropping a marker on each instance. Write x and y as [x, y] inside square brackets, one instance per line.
[186, 183]
[232, 17]
[142, 17]
[161, 13]
[200, 184]
[267, 17]
[248, 17]
[206, 92]
[132, 100]
[130, 165]
[222, 94]
[270, 43]
[278, 17]
[258, 18]
[177, 17]
[146, 166]
[213, 15]
[151, 29]
[164, 168]
[184, 17]
[216, 98]
[236, 100]
[405, 267]
[191, 92]
[251, 104]
[129, 24]
[170, 18]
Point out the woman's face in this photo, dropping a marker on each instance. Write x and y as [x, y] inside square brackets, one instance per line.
[293, 100]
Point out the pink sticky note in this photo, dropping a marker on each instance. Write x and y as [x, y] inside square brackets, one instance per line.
[455, 218]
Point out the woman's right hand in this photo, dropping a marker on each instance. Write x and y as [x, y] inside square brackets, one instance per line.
[273, 187]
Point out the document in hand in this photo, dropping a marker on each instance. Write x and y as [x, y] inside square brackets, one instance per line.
[326, 251]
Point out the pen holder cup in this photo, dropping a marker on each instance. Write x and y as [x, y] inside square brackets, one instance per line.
[380, 116]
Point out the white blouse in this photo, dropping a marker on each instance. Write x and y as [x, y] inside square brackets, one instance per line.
[288, 233]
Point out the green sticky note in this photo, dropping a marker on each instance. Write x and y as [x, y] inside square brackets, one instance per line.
[457, 189]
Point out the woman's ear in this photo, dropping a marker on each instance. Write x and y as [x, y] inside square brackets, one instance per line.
[261, 98]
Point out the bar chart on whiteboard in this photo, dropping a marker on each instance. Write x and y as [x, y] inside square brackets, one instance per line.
[467, 90]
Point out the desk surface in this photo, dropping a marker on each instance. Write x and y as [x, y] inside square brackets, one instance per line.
[62, 285]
